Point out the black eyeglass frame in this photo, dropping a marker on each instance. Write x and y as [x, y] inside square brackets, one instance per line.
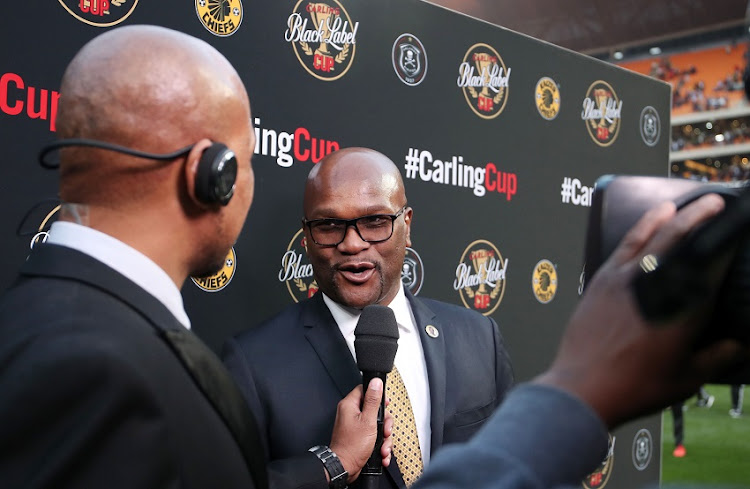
[353, 222]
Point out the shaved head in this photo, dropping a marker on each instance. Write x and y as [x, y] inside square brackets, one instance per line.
[145, 87]
[349, 184]
[155, 90]
[350, 168]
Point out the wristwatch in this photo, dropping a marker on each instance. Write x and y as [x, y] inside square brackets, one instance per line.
[336, 473]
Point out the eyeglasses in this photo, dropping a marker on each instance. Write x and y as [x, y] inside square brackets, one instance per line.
[375, 228]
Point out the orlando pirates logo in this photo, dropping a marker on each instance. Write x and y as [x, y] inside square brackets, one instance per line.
[643, 447]
[650, 125]
[412, 272]
[409, 59]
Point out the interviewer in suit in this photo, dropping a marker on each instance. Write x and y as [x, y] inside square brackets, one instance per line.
[453, 360]
[102, 385]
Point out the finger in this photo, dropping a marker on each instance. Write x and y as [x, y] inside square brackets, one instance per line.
[385, 449]
[388, 424]
[373, 395]
[686, 220]
[637, 237]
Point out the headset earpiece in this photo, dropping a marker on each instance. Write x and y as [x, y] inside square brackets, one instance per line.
[216, 175]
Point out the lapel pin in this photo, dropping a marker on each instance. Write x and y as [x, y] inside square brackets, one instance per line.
[432, 331]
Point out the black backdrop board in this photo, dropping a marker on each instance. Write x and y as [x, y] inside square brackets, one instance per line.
[537, 166]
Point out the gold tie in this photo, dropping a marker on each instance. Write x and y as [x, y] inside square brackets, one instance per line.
[405, 438]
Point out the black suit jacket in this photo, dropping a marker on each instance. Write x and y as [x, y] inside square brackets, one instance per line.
[295, 368]
[93, 393]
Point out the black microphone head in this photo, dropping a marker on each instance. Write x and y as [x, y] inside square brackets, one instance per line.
[376, 339]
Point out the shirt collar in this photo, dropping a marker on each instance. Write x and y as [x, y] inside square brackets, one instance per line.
[347, 317]
[124, 259]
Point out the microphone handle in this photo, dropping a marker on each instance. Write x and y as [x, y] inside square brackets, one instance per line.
[373, 469]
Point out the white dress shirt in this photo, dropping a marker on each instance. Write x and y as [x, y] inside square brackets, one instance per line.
[122, 258]
[409, 359]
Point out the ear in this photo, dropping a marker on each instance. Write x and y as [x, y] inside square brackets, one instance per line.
[408, 214]
[191, 169]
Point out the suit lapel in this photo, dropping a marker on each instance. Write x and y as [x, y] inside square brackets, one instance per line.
[434, 357]
[324, 336]
[201, 363]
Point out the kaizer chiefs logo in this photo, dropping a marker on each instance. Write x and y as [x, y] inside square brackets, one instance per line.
[544, 281]
[100, 13]
[220, 279]
[602, 112]
[547, 97]
[324, 38]
[480, 277]
[221, 17]
[599, 478]
[643, 447]
[412, 273]
[409, 59]
[650, 125]
[296, 271]
[485, 80]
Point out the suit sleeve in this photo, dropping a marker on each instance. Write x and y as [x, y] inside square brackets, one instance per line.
[76, 417]
[540, 438]
[301, 472]
[503, 369]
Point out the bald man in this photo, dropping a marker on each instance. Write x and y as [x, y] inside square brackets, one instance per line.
[101, 382]
[452, 360]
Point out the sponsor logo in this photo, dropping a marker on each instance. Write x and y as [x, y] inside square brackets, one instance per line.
[643, 447]
[18, 98]
[484, 79]
[419, 164]
[220, 279]
[296, 271]
[650, 126]
[601, 112]
[287, 147]
[544, 281]
[599, 478]
[100, 13]
[220, 17]
[480, 277]
[412, 273]
[574, 192]
[547, 98]
[324, 38]
[409, 59]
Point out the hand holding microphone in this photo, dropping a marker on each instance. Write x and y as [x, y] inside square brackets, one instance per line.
[362, 430]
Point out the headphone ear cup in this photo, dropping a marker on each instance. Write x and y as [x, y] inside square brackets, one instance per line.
[216, 175]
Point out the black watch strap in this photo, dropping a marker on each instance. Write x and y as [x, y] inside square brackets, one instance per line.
[336, 473]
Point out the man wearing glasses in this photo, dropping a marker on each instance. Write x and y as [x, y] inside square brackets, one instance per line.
[450, 360]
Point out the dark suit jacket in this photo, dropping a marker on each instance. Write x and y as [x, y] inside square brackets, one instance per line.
[92, 395]
[295, 368]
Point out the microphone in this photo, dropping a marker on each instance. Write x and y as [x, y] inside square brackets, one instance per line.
[375, 344]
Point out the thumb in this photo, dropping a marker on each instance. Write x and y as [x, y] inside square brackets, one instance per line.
[373, 395]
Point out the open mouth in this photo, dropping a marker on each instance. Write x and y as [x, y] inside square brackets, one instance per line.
[357, 273]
